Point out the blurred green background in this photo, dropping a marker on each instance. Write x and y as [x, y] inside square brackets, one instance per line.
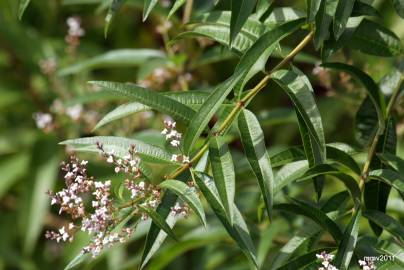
[34, 85]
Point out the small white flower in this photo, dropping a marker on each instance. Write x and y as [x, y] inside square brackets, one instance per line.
[110, 159]
[117, 169]
[175, 143]
[174, 158]
[165, 131]
[185, 159]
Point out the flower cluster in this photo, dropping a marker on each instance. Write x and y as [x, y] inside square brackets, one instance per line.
[367, 265]
[48, 66]
[129, 164]
[149, 194]
[74, 33]
[97, 219]
[326, 259]
[174, 137]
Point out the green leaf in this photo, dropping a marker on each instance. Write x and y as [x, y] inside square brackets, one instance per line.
[386, 247]
[346, 179]
[240, 11]
[342, 14]
[155, 237]
[175, 7]
[363, 9]
[394, 161]
[313, 7]
[188, 195]
[304, 259]
[216, 25]
[374, 39]
[189, 98]
[150, 98]
[113, 8]
[23, 4]
[113, 58]
[281, 15]
[389, 177]
[148, 7]
[253, 140]
[80, 258]
[309, 230]
[323, 21]
[44, 174]
[12, 170]
[342, 158]
[120, 147]
[223, 173]
[315, 214]
[294, 153]
[299, 90]
[158, 220]
[399, 6]
[254, 59]
[289, 173]
[386, 222]
[200, 119]
[347, 246]
[371, 87]
[238, 229]
[262, 7]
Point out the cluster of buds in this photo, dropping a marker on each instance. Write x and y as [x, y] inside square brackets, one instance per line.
[172, 135]
[103, 240]
[326, 259]
[367, 265]
[180, 209]
[74, 33]
[129, 164]
[43, 121]
[48, 66]
[61, 234]
[150, 194]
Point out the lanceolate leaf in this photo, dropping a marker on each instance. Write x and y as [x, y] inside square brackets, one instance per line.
[114, 58]
[240, 11]
[399, 6]
[342, 14]
[189, 98]
[262, 46]
[312, 8]
[188, 195]
[253, 141]
[23, 4]
[347, 246]
[323, 21]
[238, 230]
[115, 5]
[223, 173]
[150, 98]
[156, 236]
[386, 247]
[394, 161]
[390, 177]
[386, 222]
[298, 88]
[158, 220]
[305, 209]
[216, 25]
[308, 231]
[373, 38]
[148, 7]
[175, 7]
[289, 173]
[120, 146]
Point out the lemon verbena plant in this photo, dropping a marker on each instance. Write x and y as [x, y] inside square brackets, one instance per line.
[210, 154]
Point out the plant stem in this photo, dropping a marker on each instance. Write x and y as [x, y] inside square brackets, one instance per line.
[373, 146]
[241, 104]
[187, 11]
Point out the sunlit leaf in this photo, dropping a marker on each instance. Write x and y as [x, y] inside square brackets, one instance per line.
[240, 11]
[342, 14]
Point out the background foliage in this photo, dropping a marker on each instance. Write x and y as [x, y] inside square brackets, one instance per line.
[41, 71]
